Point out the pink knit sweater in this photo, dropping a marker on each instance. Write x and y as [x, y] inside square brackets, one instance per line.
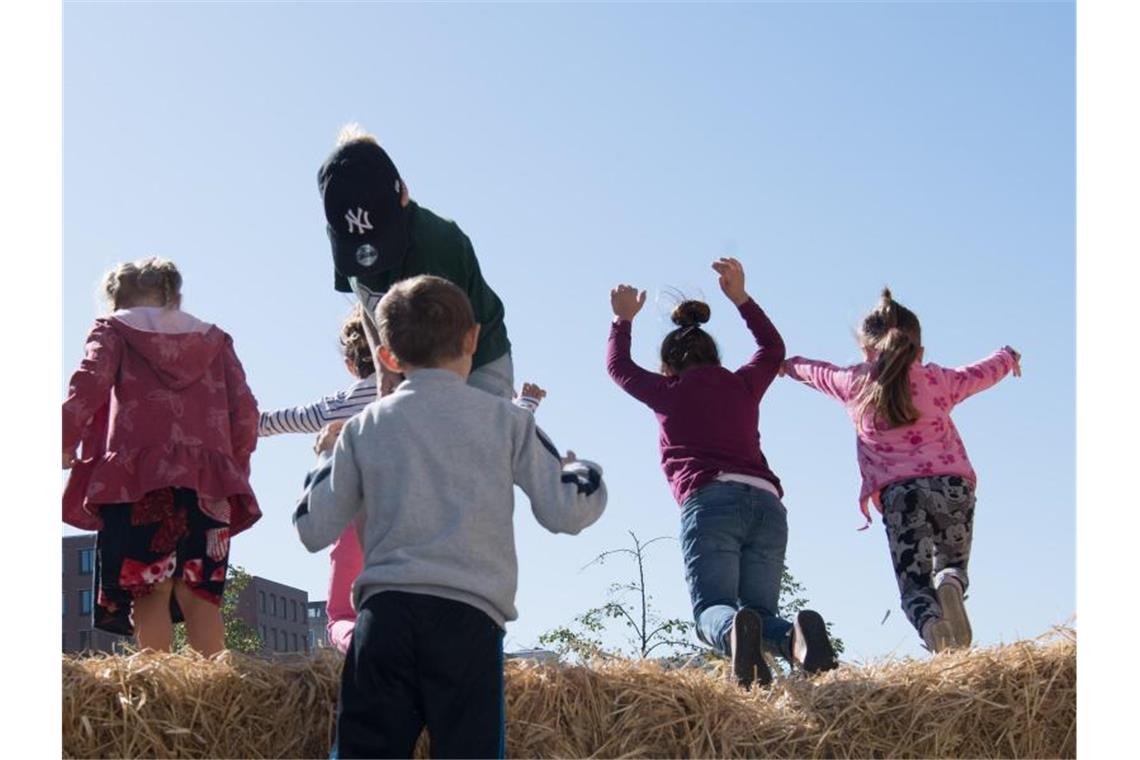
[930, 446]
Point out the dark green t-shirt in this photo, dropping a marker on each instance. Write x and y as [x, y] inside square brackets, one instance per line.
[438, 247]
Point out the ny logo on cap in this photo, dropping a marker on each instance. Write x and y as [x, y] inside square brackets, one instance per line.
[358, 220]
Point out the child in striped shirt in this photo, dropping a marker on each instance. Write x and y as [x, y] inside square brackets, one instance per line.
[325, 418]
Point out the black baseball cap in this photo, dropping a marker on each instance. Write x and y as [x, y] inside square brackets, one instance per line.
[368, 229]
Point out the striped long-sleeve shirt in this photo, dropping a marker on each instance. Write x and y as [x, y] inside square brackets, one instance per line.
[312, 417]
[339, 406]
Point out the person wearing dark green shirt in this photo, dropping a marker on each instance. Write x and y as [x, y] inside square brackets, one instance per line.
[380, 236]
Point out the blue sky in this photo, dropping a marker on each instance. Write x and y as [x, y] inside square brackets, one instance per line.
[831, 147]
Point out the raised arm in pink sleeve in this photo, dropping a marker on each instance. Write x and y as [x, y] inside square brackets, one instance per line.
[647, 387]
[836, 382]
[974, 378]
[90, 386]
[243, 409]
[347, 561]
[761, 369]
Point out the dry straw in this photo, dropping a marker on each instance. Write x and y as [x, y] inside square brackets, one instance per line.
[1017, 700]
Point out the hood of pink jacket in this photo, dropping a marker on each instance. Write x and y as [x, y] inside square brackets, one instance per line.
[177, 346]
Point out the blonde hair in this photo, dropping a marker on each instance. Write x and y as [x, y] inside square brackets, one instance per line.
[354, 132]
[892, 331]
[150, 278]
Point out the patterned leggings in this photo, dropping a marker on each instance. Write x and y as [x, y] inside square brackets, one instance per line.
[929, 524]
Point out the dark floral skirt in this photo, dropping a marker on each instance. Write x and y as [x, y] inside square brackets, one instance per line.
[166, 534]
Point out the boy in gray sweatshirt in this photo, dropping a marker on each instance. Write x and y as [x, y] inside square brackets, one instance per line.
[428, 473]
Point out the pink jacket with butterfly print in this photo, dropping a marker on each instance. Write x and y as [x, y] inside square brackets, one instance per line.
[930, 446]
[159, 400]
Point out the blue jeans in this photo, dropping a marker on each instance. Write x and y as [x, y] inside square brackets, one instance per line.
[733, 538]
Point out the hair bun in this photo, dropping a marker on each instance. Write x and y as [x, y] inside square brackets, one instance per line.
[689, 313]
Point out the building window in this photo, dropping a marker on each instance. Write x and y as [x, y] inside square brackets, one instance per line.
[263, 640]
[86, 561]
[261, 595]
[293, 602]
[310, 642]
[85, 601]
[84, 641]
[296, 646]
[273, 604]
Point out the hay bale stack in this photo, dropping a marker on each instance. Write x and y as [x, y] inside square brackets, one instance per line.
[1017, 700]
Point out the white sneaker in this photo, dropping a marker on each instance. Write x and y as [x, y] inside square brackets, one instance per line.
[954, 612]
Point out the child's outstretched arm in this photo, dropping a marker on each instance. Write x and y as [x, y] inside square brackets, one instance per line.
[310, 418]
[90, 386]
[332, 496]
[243, 409]
[647, 387]
[761, 369]
[974, 378]
[565, 498]
[836, 382]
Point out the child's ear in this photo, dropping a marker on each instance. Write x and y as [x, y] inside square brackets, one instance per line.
[388, 360]
[471, 340]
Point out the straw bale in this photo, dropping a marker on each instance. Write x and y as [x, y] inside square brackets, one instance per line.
[1017, 700]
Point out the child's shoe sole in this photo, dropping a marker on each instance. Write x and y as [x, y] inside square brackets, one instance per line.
[954, 613]
[811, 646]
[938, 636]
[748, 664]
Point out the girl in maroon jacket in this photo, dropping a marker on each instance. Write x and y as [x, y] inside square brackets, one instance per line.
[734, 527]
[167, 423]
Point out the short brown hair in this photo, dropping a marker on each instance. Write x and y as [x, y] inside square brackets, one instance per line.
[423, 320]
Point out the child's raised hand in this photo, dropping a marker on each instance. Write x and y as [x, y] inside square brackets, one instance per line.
[532, 391]
[1016, 361]
[570, 458]
[626, 301]
[731, 274]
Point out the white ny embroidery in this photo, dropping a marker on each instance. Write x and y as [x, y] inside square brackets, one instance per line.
[358, 220]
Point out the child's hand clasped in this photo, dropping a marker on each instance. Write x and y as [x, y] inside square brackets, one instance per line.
[326, 439]
[731, 274]
[626, 301]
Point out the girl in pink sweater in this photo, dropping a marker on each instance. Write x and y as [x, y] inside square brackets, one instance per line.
[914, 465]
[167, 423]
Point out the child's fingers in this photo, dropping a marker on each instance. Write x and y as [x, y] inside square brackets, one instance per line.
[641, 298]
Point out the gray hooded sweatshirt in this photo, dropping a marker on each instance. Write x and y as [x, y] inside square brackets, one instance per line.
[429, 471]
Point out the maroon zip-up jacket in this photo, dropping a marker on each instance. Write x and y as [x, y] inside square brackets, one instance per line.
[709, 415]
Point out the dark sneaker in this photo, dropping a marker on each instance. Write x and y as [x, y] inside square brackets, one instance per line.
[954, 612]
[745, 644]
[811, 646]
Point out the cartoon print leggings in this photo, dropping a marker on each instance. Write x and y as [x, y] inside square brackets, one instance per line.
[929, 525]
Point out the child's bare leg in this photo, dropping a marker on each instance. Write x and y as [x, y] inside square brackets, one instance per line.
[204, 625]
[151, 615]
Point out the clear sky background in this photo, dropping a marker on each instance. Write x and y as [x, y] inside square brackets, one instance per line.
[831, 147]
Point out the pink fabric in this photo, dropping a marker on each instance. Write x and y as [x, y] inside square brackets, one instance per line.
[163, 406]
[930, 446]
[347, 561]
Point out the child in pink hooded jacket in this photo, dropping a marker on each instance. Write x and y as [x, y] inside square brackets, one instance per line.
[912, 460]
[167, 425]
